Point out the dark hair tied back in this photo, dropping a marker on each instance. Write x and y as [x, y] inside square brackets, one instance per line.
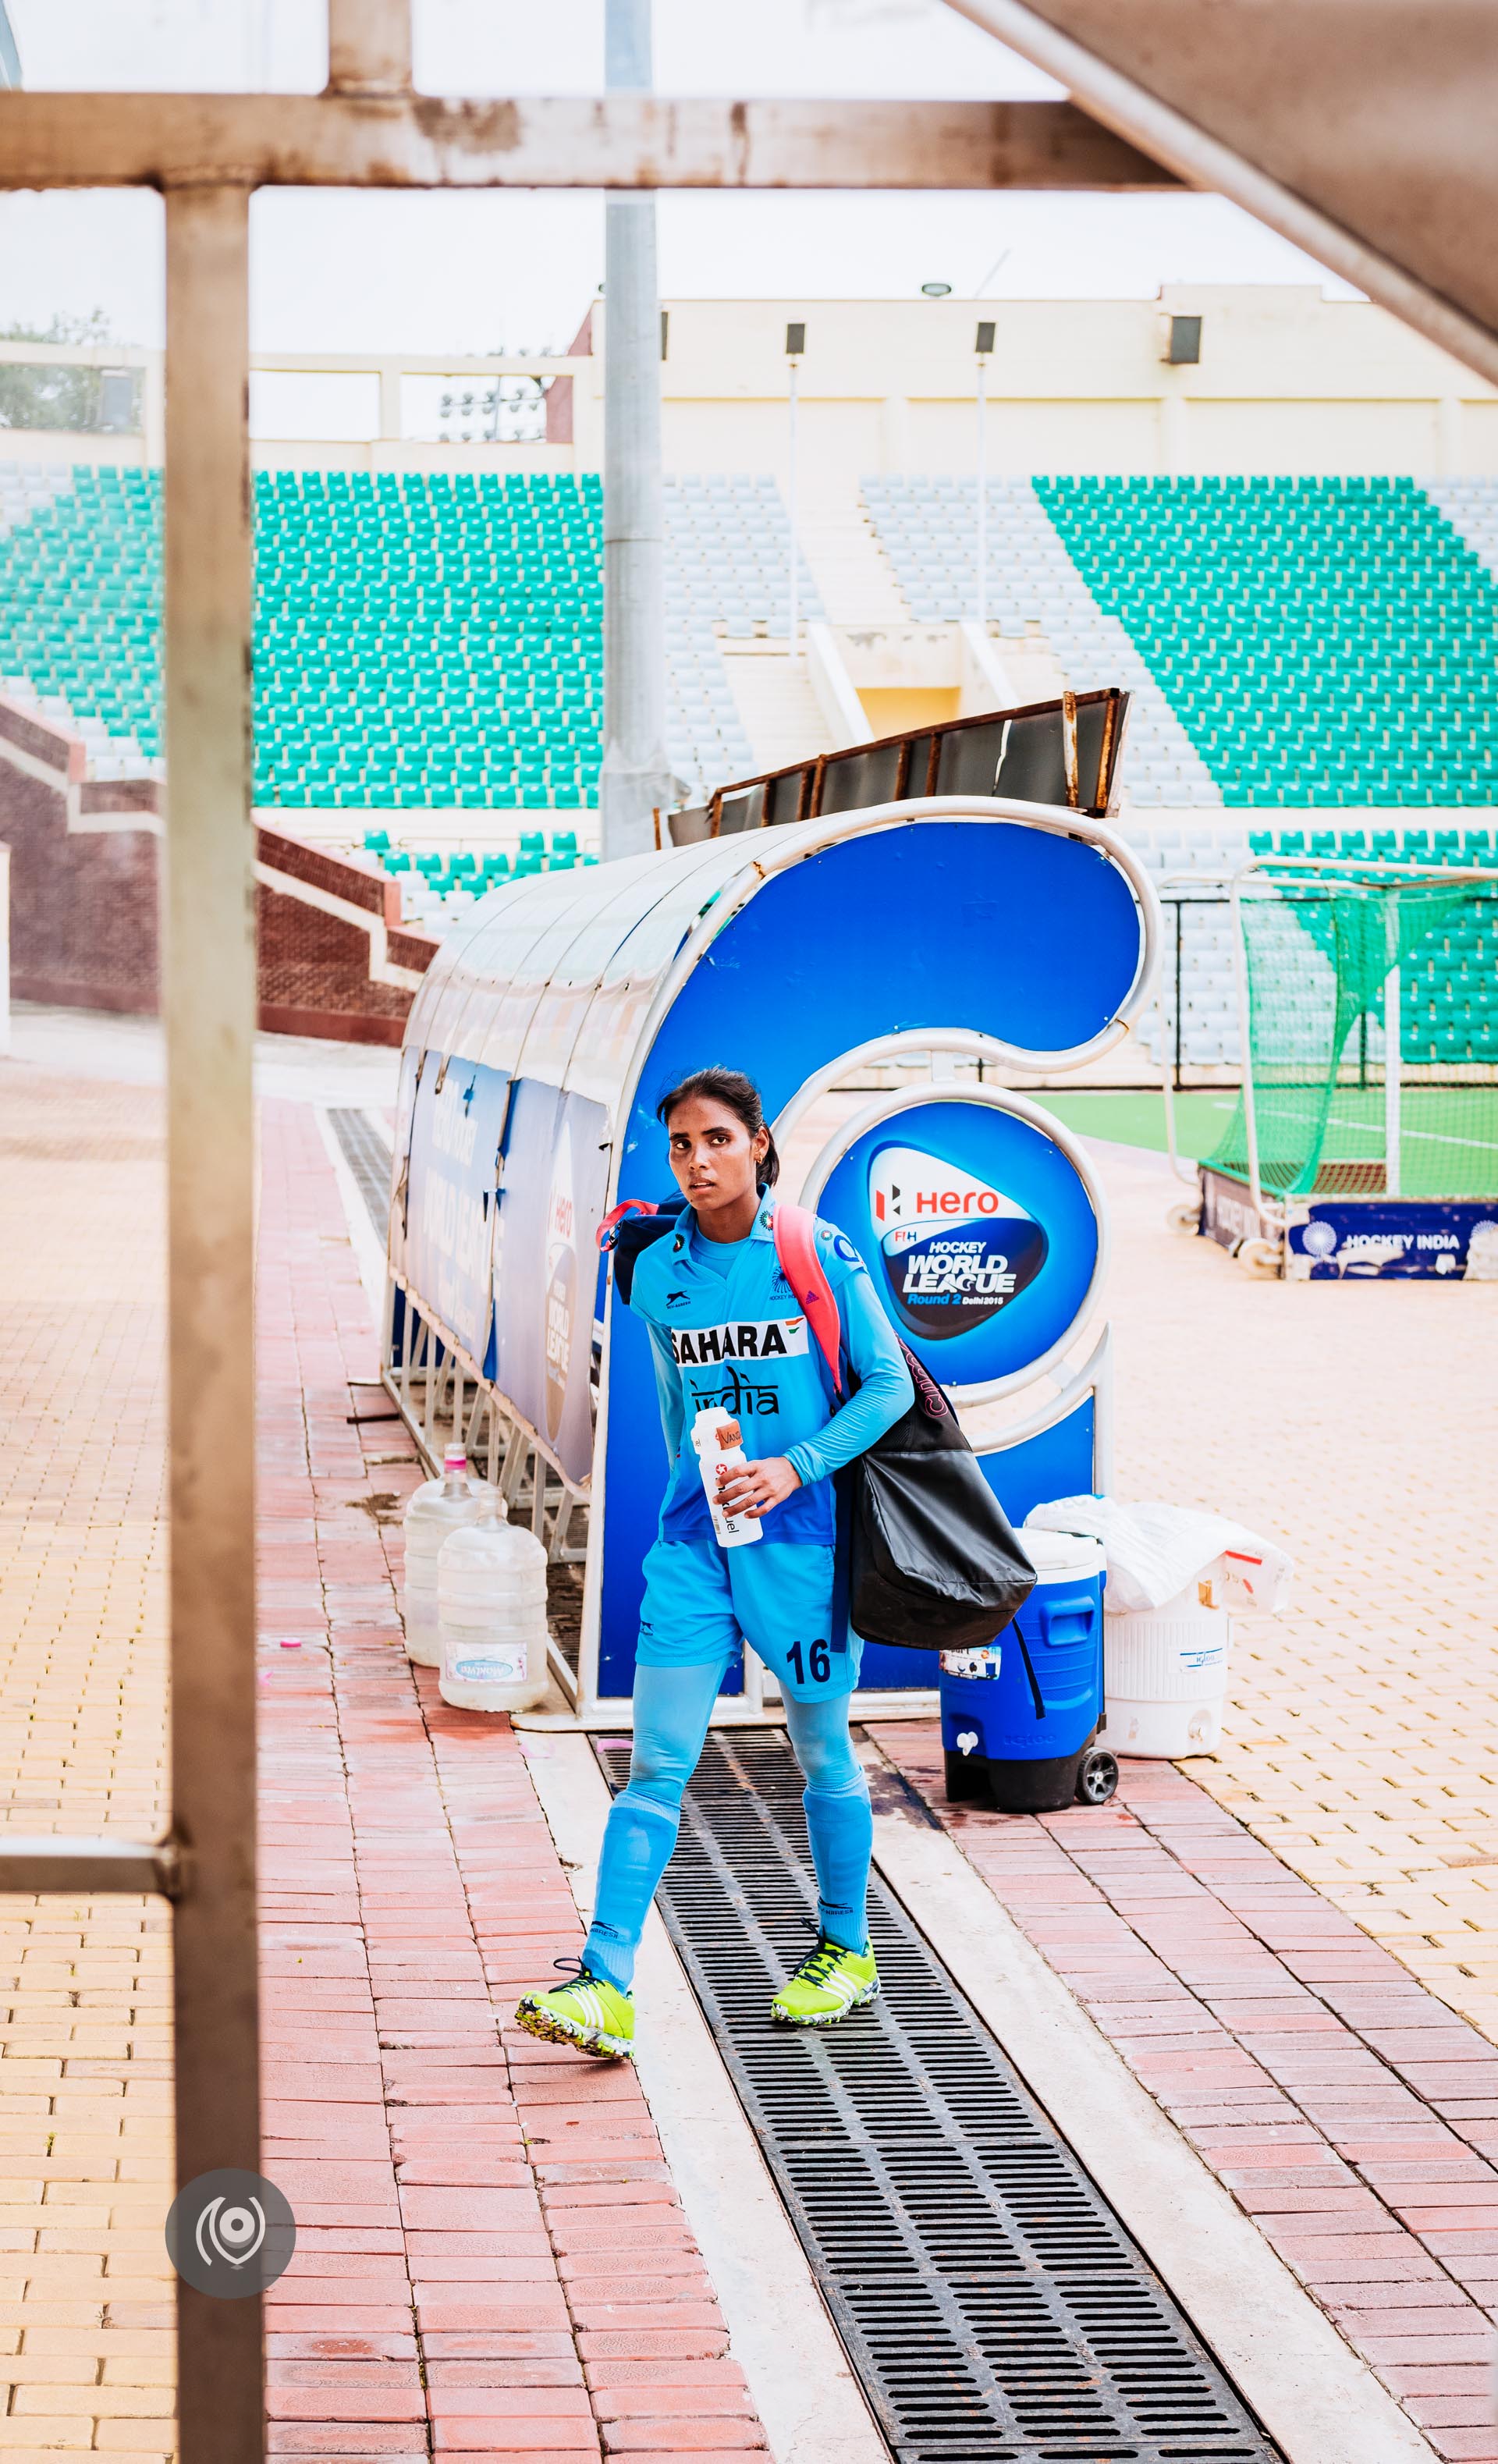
[736, 1093]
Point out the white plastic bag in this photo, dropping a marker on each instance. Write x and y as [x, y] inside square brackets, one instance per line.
[1155, 1551]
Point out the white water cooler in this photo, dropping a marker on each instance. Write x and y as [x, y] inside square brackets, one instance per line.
[1165, 1673]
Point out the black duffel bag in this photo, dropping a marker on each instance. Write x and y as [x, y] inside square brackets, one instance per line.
[934, 1565]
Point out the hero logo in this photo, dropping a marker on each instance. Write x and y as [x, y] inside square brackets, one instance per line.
[955, 1248]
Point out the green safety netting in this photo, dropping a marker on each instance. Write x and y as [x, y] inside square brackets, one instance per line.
[1320, 957]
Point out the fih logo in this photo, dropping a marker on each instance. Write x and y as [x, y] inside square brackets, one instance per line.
[954, 1249]
[231, 2234]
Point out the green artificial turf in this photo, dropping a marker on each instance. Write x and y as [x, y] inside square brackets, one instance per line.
[1448, 1142]
[1135, 1116]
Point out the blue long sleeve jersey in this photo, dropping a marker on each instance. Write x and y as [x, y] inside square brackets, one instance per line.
[725, 1328]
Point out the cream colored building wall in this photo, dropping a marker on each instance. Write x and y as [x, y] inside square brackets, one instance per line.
[1288, 382]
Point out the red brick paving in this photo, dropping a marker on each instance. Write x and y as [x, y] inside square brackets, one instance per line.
[458, 2286]
[1350, 2113]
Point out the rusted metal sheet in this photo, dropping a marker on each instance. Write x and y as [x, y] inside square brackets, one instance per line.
[209, 1007]
[1363, 130]
[621, 141]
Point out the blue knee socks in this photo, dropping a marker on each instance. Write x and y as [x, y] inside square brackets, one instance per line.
[839, 1823]
[638, 1839]
[671, 1710]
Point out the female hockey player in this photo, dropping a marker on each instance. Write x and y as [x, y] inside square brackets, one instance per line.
[731, 1343]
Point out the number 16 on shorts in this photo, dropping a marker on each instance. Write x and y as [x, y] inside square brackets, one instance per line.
[814, 1666]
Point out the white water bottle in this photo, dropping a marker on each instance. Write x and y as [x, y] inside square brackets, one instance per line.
[717, 1438]
[491, 1615]
[433, 1510]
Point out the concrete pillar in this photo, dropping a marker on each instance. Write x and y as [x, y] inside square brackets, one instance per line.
[894, 432]
[153, 409]
[1174, 435]
[1448, 436]
[389, 400]
[636, 776]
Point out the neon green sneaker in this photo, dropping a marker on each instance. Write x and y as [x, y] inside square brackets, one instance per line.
[587, 2012]
[830, 1983]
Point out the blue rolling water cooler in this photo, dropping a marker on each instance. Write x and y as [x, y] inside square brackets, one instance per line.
[1020, 1717]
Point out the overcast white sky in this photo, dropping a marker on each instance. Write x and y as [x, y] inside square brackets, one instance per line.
[336, 270]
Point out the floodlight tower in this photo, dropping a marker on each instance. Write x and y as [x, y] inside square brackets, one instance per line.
[984, 346]
[795, 345]
[636, 778]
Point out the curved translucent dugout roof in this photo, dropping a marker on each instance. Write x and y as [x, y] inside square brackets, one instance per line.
[1034, 926]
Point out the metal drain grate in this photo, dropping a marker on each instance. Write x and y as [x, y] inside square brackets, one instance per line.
[992, 2307]
[368, 1157]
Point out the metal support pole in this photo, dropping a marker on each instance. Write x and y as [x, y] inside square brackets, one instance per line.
[1181, 909]
[209, 1009]
[982, 494]
[793, 503]
[1245, 1042]
[1390, 1082]
[636, 778]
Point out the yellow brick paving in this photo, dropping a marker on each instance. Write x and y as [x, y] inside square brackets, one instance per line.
[85, 2094]
[1360, 1422]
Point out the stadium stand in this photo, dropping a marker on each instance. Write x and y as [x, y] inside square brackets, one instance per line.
[428, 639]
[929, 529]
[1471, 507]
[432, 642]
[1322, 641]
[1291, 641]
[335, 955]
[422, 640]
[727, 562]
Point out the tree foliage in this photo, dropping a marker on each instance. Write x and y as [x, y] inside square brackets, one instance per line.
[42, 396]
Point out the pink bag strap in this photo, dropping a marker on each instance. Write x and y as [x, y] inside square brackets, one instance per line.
[795, 1229]
[616, 1216]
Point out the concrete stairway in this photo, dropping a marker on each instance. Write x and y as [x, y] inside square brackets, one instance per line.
[781, 714]
[853, 573]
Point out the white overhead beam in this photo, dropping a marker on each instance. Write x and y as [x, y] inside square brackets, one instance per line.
[621, 141]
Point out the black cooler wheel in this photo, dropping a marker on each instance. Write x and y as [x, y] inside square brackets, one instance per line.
[1099, 1776]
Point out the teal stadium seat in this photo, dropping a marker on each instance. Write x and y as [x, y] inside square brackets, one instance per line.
[416, 635]
[434, 638]
[1335, 606]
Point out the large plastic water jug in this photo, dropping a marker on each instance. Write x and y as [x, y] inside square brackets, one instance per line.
[438, 1507]
[492, 1617]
